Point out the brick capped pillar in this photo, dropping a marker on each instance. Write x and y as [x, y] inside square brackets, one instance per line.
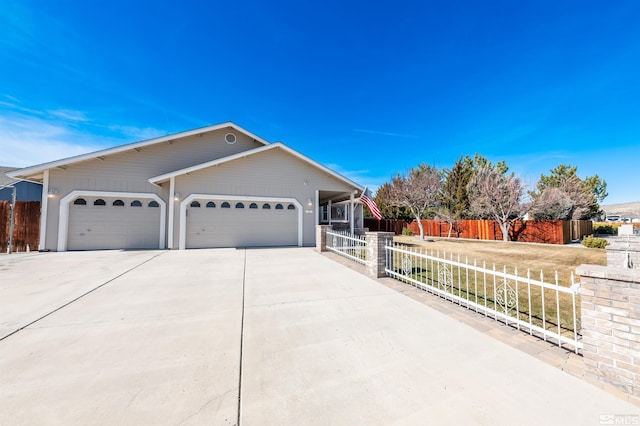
[376, 242]
[321, 237]
[624, 252]
[610, 308]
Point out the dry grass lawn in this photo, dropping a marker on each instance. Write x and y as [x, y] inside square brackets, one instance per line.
[548, 258]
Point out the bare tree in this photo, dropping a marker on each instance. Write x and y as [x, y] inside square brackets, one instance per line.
[417, 191]
[452, 218]
[495, 195]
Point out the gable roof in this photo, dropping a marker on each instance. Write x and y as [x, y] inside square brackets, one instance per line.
[37, 169]
[4, 178]
[273, 146]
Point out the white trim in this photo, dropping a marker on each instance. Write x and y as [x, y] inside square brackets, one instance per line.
[43, 210]
[136, 145]
[172, 204]
[187, 200]
[244, 154]
[63, 221]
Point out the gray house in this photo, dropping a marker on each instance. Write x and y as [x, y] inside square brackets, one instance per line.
[25, 190]
[217, 186]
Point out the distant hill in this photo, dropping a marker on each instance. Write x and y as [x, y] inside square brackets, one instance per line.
[630, 210]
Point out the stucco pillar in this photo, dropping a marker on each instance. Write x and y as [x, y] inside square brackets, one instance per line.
[376, 259]
[321, 237]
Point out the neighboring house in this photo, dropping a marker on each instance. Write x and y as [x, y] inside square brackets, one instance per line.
[25, 190]
[218, 186]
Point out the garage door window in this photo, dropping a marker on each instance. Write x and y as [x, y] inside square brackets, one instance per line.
[153, 204]
[266, 206]
[291, 207]
[80, 202]
[253, 206]
[99, 202]
[239, 206]
[136, 203]
[195, 204]
[225, 205]
[118, 203]
[279, 207]
[211, 204]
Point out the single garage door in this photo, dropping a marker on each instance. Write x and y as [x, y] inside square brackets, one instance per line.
[113, 223]
[220, 223]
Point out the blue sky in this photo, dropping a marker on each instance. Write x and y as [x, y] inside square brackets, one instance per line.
[368, 88]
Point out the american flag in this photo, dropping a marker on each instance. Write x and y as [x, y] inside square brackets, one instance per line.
[368, 201]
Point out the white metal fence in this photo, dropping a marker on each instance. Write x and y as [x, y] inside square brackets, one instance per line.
[532, 305]
[348, 245]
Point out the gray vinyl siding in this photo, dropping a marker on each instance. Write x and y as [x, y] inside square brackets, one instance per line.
[129, 171]
[273, 173]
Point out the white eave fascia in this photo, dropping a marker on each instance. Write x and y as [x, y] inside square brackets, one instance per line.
[27, 171]
[277, 145]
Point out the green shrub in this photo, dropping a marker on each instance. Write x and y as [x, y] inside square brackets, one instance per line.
[406, 231]
[592, 242]
[605, 228]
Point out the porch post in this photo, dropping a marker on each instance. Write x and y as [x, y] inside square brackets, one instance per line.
[42, 243]
[317, 206]
[329, 207]
[351, 213]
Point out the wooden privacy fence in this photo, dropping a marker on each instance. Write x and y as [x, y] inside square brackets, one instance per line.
[26, 226]
[386, 225]
[548, 231]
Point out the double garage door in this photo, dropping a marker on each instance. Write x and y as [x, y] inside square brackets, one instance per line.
[226, 223]
[97, 223]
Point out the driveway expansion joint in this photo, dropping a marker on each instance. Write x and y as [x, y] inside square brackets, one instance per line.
[80, 297]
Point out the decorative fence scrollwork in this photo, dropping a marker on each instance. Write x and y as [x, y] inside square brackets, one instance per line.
[407, 265]
[506, 295]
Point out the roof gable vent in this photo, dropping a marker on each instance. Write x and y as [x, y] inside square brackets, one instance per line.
[230, 138]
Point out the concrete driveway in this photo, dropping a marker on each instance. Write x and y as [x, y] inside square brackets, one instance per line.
[257, 336]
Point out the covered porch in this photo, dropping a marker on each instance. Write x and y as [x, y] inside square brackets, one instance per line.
[343, 210]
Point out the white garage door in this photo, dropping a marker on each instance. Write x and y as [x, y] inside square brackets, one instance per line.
[222, 223]
[113, 223]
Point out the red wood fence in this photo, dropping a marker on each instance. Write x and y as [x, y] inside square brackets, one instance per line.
[549, 231]
[386, 225]
[26, 226]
